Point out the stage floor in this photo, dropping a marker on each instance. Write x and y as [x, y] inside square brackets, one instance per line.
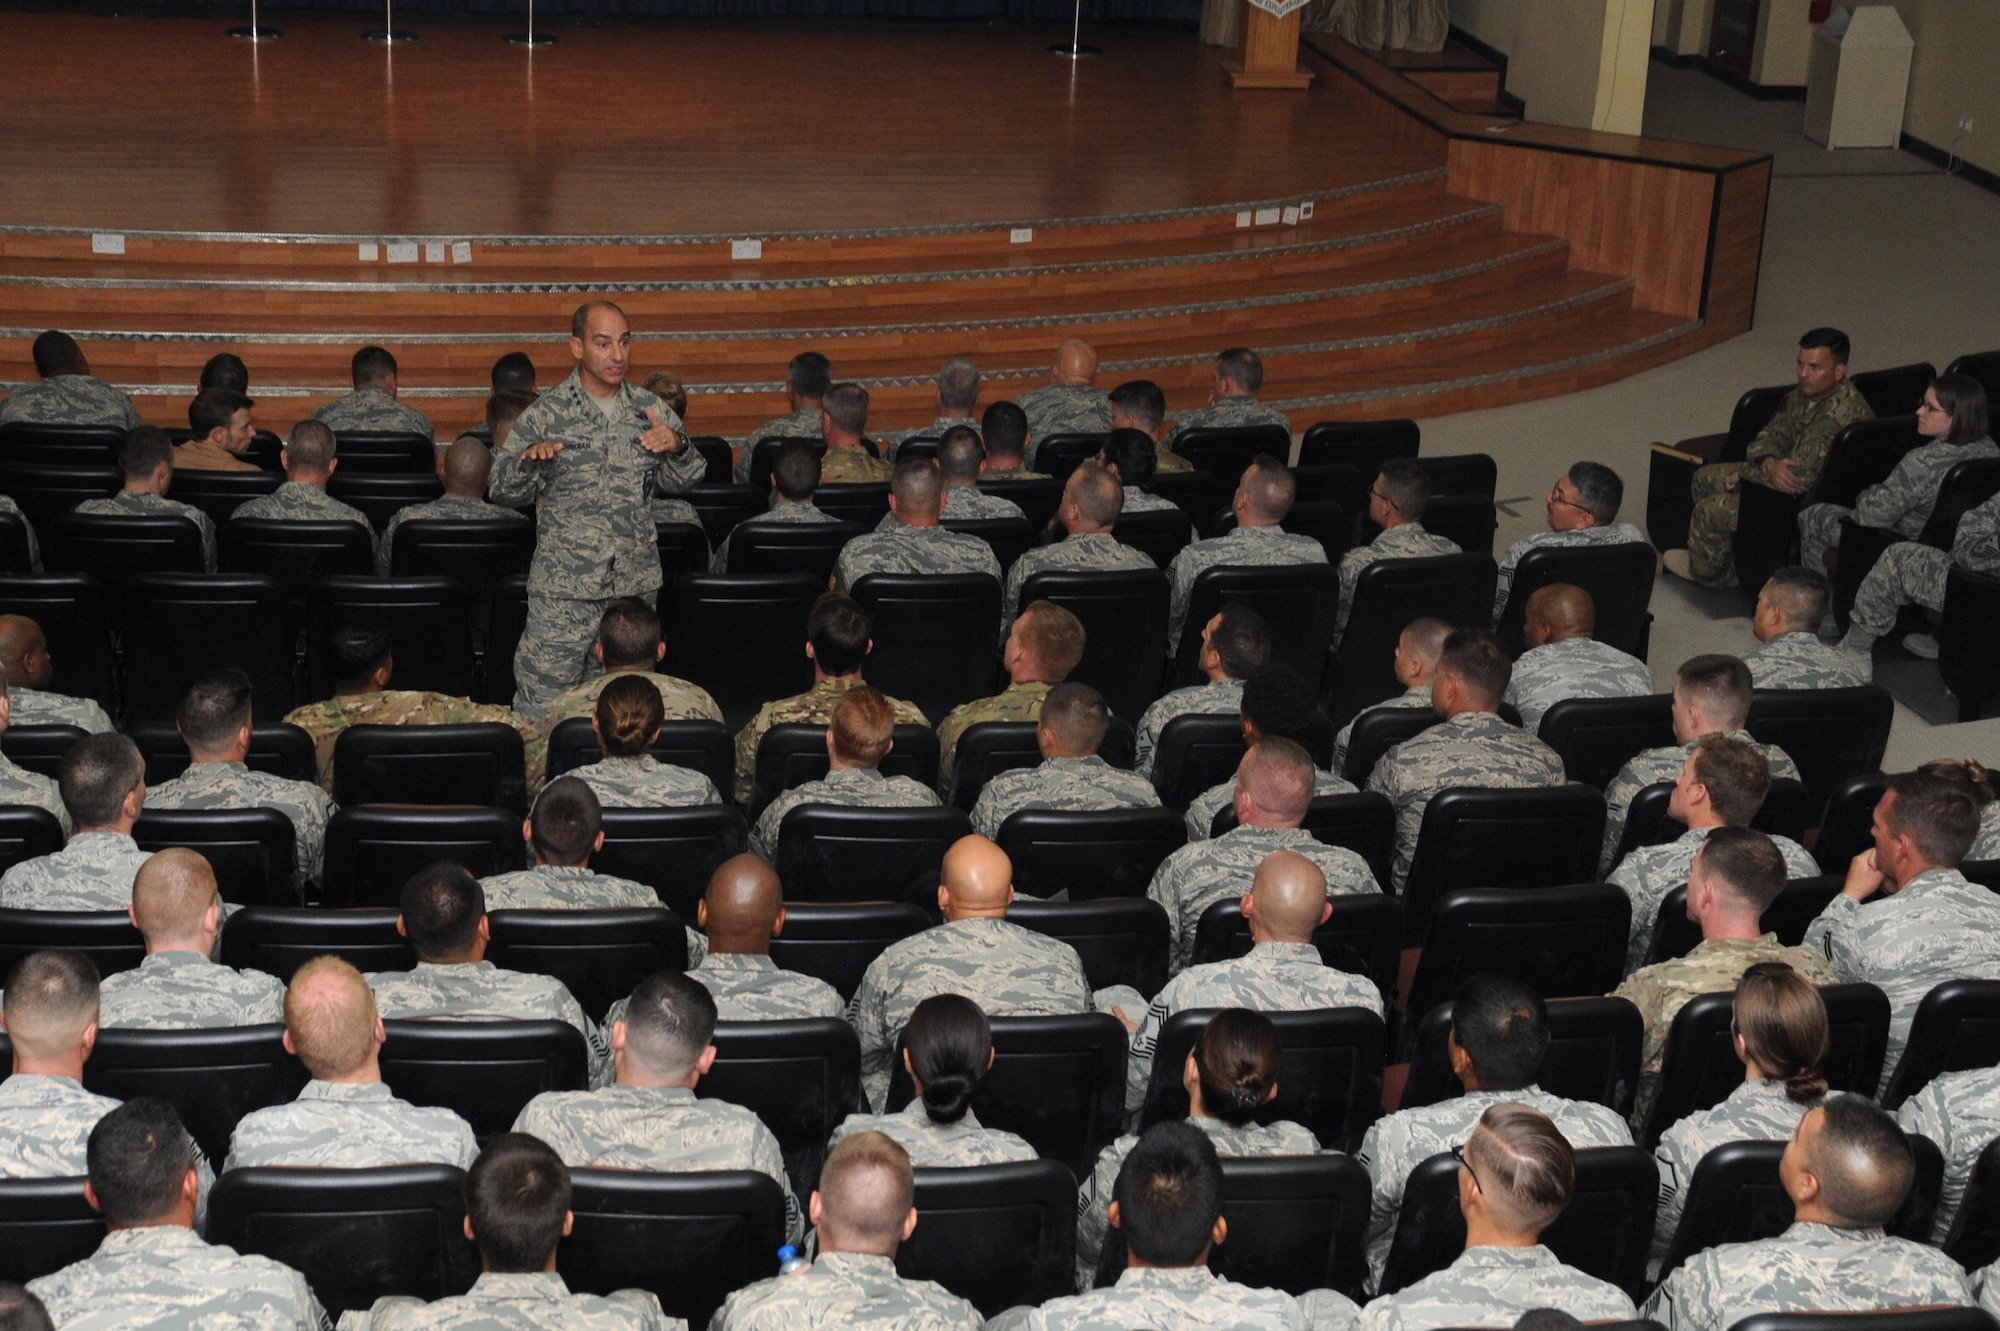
[648, 128]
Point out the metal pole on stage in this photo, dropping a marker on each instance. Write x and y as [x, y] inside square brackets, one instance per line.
[253, 33]
[530, 37]
[387, 32]
[1075, 50]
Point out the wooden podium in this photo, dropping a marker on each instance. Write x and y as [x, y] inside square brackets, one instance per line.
[1269, 57]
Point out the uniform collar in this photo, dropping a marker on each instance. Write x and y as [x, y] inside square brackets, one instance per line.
[1090, 763]
[1929, 880]
[543, 1286]
[208, 771]
[1169, 1277]
[40, 1087]
[152, 1238]
[1286, 952]
[454, 969]
[856, 1263]
[347, 1092]
[854, 775]
[625, 1090]
[575, 384]
[916, 1113]
[1488, 1256]
[1814, 1232]
[122, 839]
[1795, 635]
[1709, 947]
[182, 959]
[739, 961]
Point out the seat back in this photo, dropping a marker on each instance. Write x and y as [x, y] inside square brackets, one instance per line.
[1159, 534]
[1562, 941]
[112, 548]
[721, 631]
[45, 492]
[1120, 941]
[403, 452]
[475, 553]
[683, 549]
[253, 851]
[1037, 499]
[700, 746]
[690, 1239]
[1897, 390]
[1832, 734]
[1387, 596]
[1378, 730]
[1594, 1046]
[1844, 827]
[213, 1077]
[1295, 1223]
[1734, 1196]
[1195, 752]
[380, 497]
[599, 955]
[1747, 419]
[1965, 487]
[429, 619]
[1364, 822]
[356, 1235]
[1905, 1319]
[1366, 445]
[70, 609]
[1124, 617]
[507, 619]
[1619, 579]
[933, 636]
[1297, 601]
[1598, 736]
[984, 750]
[716, 456]
[371, 852]
[1329, 1071]
[297, 554]
[1060, 454]
[40, 749]
[1864, 454]
[1461, 474]
[45, 1225]
[1471, 837]
[1007, 537]
[1363, 936]
[279, 939]
[478, 763]
[60, 445]
[672, 851]
[862, 503]
[1227, 453]
[106, 937]
[1089, 854]
[1969, 640]
[834, 853]
[1647, 822]
[27, 832]
[15, 556]
[1983, 366]
[801, 1077]
[793, 753]
[1766, 539]
[836, 940]
[181, 626]
[1957, 1027]
[789, 547]
[485, 1071]
[723, 506]
[1468, 521]
[998, 1236]
[1974, 1239]
[218, 493]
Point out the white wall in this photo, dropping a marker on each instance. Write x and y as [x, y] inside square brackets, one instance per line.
[1956, 73]
[1574, 62]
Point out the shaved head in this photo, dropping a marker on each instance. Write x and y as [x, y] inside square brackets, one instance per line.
[330, 1017]
[171, 896]
[20, 640]
[467, 464]
[865, 1196]
[743, 902]
[1277, 776]
[51, 998]
[1076, 361]
[1560, 611]
[978, 879]
[1289, 896]
[1861, 1157]
[917, 486]
[1268, 488]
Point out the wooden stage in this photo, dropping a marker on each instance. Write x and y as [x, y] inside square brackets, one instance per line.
[1452, 258]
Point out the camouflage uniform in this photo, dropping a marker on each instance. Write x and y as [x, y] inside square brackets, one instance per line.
[814, 707]
[1652, 767]
[1802, 661]
[1939, 927]
[853, 788]
[1417, 695]
[848, 1290]
[93, 872]
[1059, 783]
[893, 444]
[140, 504]
[7, 505]
[1475, 749]
[749, 986]
[1802, 431]
[1618, 533]
[907, 549]
[1064, 409]
[644, 782]
[1272, 977]
[1573, 668]
[1808, 1268]
[1713, 967]
[45, 1124]
[38, 707]
[350, 1125]
[1020, 701]
[410, 707]
[1489, 1286]
[296, 501]
[565, 887]
[1143, 501]
[451, 508]
[1080, 552]
[1757, 1111]
[1398, 1143]
[180, 991]
[1006, 969]
[1409, 541]
[851, 464]
[1901, 504]
[934, 1145]
[20, 786]
[595, 539]
[163, 1277]
[372, 408]
[659, 1129]
[1960, 1111]
[1201, 810]
[1022, 473]
[1195, 877]
[680, 700]
[1242, 547]
[236, 786]
[1183, 1297]
[1093, 1199]
[481, 991]
[1230, 413]
[782, 510]
[969, 503]
[1910, 571]
[1987, 846]
[524, 1301]
[801, 424]
[1218, 697]
[1651, 873]
[69, 399]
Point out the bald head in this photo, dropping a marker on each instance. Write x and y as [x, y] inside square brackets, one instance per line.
[978, 880]
[21, 647]
[743, 904]
[171, 900]
[467, 464]
[1076, 362]
[865, 1198]
[1287, 898]
[1274, 784]
[330, 1020]
[1558, 612]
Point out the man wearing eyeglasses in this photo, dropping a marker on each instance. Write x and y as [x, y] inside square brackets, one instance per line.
[1396, 504]
[1583, 510]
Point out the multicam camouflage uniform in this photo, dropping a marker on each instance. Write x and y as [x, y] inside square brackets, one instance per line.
[968, 503]
[236, 786]
[69, 399]
[1242, 547]
[907, 549]
[1960, 1111]
[1417, 695]
[1059, 783]
[410, 707]
[140, 504]
[659, 1129]
[1064, 409]
[372, 408]
[1802, 431]
[1201, 810]
[1652, 767]
[7, 505]
[1617, 533]
[852, 787]
[45, 1123]
[1651, 873]
[20, 786]
[934, 1145]
[451, 508]
[847, 1290]
[93, 872]
[851, 464]
[1230, 413]
[782, 510]
[179, 991]
[481, 991]
[1195, 877]
[1191, 1296]
[1019, 701]
[1006, 969]
[1489, 1286]
[1911, 571]
[565, 887]
[679, 699]
[1573, 668]
[1089, 552]
[517, 1301]
[38, 707]
[1218, 697]
[350, 1125]
[1397, 1144]
[595, 539]
[1938, 927]
[893, 444]
[1472, 749]
[814, 707]
[801, 424]
[1808, 1268]
[1802, 661]
[1901, 504]
[644, 782]
[296, 501]
[165, 1278]
[1757, 1111]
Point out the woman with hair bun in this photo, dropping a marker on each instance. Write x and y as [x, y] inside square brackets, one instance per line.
[1978, 782]
[627, 722]
[1230, 1075]
[947, 1048]
[1780, 1028]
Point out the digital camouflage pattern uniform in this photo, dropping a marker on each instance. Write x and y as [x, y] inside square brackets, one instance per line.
[644, 782]
[140, 504]
[801, 424]
[1218, 697]
[781, 510]
[163, 1277]
[523, 1301]
[482, 991]
[1195, 877]
[7, 505]
[1059, 783]
[1802, 661]
[1020, 473]
[372, 408]
[1573, 668]
[595, 539]
[846, 1289]
[968, 503]
[907, 549]
[93, 872]
[1911, 571]
[1901, 504]
[852, 788]
[1409, 541]
[1987, 846]
[892, 444]
[1757, 1111]
[296, 501]
[1960, 1111]
[1006, 969]
[69, 399]
[237, 786]
[1142, 501]
[20, 786]
[934, 1145]
[1396, 1144]
[410, 707]
[1201, 810]
[1472, 749]
[1808, 1268]
[1650, 874]
[350, 1125]
[1617, 533]
[659, 1129]
[45, 1123]
[749, 986]
[814, 707]
[1802, 431]
[1490, 1286]
[451, 508]
[38, 707]
[1064, 409]
[1416, 695]
[1230, 413]
[565, 887]
[1183, 1297]
[1938, 927]
[1652, 767]
[1086, 552]
[180, 991]
[680, 700]
[1242, 547]
[1019, 701]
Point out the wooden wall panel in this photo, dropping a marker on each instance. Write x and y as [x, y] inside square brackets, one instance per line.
[1739, 248]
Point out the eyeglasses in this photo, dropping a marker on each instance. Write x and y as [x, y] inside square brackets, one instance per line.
[1458, 1154]
[1555, 497]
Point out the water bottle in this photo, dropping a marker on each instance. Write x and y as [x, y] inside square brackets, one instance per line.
[790, 1262]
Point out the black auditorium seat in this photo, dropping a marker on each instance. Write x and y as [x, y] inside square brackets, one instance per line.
[1297, 601]
[1561, 941]
[1597, 736]
[700, 746]
[683, 549]
[999, 1236]
[1969, 640]
[15, 553]
[1844, 830]
[70, 609]
[1593, 1055]
[1832, 734]
[1007, 537]
[428, 619]
[507, 619]
[1541, 837]
[1226, 453]
[1378, 730]
[477, 553]
[371, 852]
[1974, 1238]
[722, 507]
[213, 1077]
[1956, 1027]
[741, 637]
[1387, 596]
[381, 496]
[279, 940]
[280, 748]
[113, 548]
[1119, 941]
[802, 1077]
[811, 548]
[1195, 753]
[1295, 1223]
[105, 936]
[1124, 618]
[395, 452]
[1966, 486]
[1035, 497]
[40, 748]
[716, 456]
[1159, 534]
[485, 1071]
[933, 635]
[180, 626]
[46, 492]
[1329, 1071]
[297, 554]
[27, 832]
[836, 940]
[1468, 521]
[691, 1239]
[1363, 936]
[1364, 822]
[862, 503]
[793, 753]
[1733, 1197]
[984, 750]
[477, 763]
[45, 1225]
[1669, 500]
[1365, 445]
[253, 851]
[599, 955]
[672, 851]
[1089, 854]
[833, 853]
[1060, 454]
[1619, 579]
[60, 445]
[219, 493]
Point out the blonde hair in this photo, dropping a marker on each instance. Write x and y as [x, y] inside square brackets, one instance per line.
[330, 1013]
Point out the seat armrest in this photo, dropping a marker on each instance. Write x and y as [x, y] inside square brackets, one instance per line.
[1703, 448]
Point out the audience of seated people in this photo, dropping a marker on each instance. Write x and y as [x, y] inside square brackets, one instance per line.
[1070, 402]
[24, 655]
[1396, 502]
[311, 456]
[1091, 503]
[914, 541]
[65, 392]
[1791, 608]
[1235, 644]
[1263, 497]
[1277, 704]
[1232, 400]
[221, 430]
[372, 403]
[146, 461]
[858, 737]
[1069, 726]
[627, 723]
[1583, 511]
[1140, 405]
[1564, 661]
[1045, 643]
[177, 907]
[947, 1050]
[1418, 647]
[807, 380]
[468, 466]
[17, 784]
